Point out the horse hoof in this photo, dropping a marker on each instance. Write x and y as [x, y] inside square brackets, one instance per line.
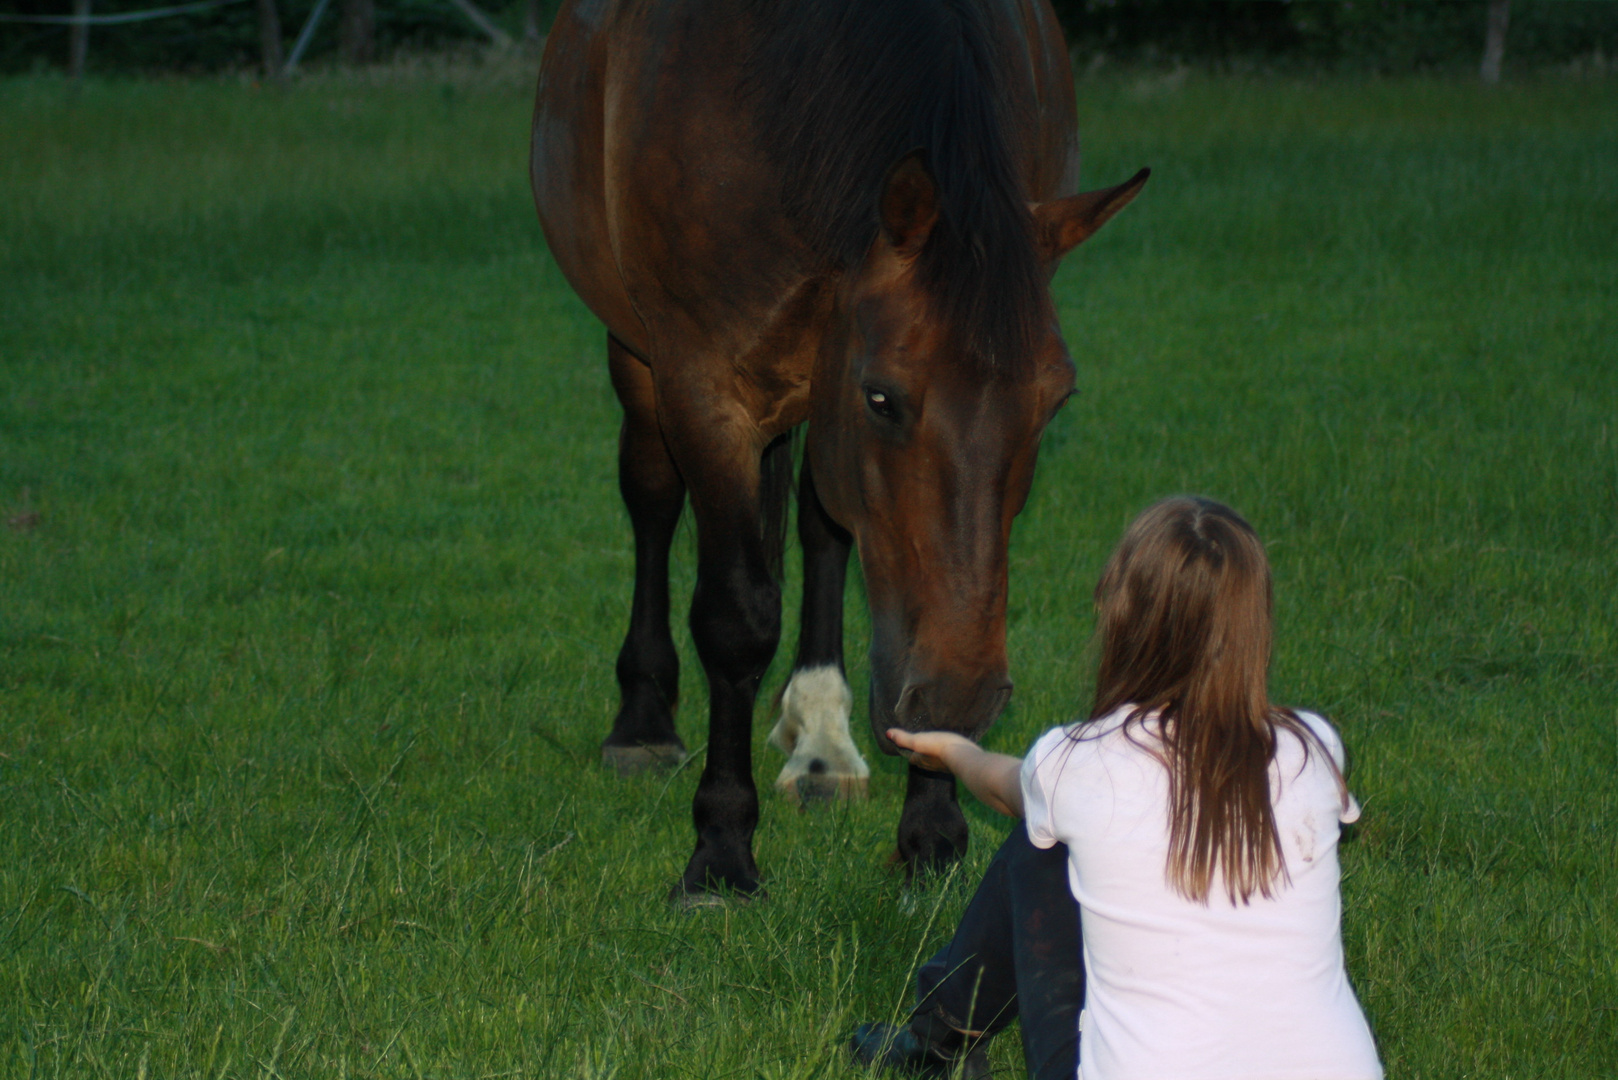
[634, 760]
[822, 762]
[922, 868]
[681, 900]
[816, 789]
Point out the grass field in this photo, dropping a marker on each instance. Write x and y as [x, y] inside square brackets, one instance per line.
[314, 570]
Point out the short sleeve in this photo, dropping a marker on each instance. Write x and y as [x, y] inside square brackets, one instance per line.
[1333, 742]
[1036, 801]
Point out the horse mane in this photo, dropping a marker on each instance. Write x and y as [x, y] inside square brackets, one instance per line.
[843, 89]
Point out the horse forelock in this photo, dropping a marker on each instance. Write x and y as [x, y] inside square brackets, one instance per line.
[842, 89]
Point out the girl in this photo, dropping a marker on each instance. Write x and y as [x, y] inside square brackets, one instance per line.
[1195, 823]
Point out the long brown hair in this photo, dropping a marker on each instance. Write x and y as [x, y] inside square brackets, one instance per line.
[1184, 627]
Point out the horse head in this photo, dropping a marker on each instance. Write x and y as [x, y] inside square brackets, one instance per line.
[924, 449]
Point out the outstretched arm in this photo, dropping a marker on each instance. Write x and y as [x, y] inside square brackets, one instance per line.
[994, 778]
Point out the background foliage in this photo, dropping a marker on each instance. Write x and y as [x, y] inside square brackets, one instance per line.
[1377, 35]
[1381, 35]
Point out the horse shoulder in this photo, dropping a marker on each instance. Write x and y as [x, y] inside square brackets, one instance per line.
[737, 381]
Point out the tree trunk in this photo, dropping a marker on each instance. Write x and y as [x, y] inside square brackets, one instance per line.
[78, 45]
[1494, 47]
[269, 38]
[357, 34]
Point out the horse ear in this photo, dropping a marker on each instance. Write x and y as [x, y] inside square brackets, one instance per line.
[909, 205]
[1064, 224]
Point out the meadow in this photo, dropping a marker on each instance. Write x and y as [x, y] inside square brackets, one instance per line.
[313, 569]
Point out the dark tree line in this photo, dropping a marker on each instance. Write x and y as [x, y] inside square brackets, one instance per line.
[253, 33]
[1382, 35]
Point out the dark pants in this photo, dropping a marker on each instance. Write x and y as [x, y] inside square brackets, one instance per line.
[1014, 954]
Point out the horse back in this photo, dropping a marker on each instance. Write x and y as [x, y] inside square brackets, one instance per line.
[663, 209]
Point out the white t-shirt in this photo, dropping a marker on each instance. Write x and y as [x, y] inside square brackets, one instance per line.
[1181, 990]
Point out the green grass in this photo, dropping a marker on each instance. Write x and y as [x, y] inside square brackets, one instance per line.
[316, 570]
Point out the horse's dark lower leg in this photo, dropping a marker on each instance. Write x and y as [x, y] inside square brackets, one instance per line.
[725, 810]
[825, 570]
[932, 829]
[648, 670]
[736, 624]
[815, 704]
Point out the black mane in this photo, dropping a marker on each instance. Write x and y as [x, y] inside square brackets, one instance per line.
[844, 89]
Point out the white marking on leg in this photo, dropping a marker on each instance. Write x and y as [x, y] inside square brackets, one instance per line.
[822, 761]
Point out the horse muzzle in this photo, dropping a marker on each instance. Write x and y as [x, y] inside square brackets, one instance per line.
[967, 704]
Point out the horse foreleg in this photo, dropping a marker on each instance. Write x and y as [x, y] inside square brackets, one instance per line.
[822, 761]
[643, 733]
[736, 625]
[932, 829]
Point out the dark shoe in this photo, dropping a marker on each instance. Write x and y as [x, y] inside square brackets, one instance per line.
[891, 1046]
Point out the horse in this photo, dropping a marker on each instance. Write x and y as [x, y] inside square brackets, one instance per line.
[843, 214]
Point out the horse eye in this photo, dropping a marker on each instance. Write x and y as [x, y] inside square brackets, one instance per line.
[881, 404]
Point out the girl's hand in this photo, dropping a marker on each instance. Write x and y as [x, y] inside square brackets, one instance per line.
[931, 750]
[993, 778]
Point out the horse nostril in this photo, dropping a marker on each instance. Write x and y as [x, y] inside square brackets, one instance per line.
[968, 706]
[910, 708]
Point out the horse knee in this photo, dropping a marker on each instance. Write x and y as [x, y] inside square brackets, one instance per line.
[737, 636]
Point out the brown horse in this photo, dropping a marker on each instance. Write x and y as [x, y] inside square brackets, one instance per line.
[844, 212]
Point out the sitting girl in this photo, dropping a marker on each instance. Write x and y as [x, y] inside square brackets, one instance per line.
[1195, 823]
